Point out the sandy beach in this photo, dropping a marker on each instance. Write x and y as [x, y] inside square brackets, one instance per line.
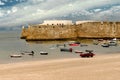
[100, 67]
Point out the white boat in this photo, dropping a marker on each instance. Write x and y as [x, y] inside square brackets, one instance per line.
[15, 56]
[43, 53]
[77, 51]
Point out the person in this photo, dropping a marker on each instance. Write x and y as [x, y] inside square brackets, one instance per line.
[32, 53]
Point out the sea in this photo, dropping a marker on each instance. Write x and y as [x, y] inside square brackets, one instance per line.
[10, 43]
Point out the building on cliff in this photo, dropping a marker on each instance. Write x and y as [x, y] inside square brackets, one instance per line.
[80, 22]
[57, 22]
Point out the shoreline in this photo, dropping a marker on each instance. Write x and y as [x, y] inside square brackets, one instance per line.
[102, 66]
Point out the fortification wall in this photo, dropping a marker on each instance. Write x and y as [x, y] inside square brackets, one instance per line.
[84, 30]
[99, 29]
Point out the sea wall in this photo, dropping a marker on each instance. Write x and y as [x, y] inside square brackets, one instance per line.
[62, 32]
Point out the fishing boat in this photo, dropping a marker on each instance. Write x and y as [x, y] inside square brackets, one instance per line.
[88, 53]
[43, 53]
[105, 45]
[77, 51]
[66, 49]
[74, 43]
[15, 56]
[27, 52]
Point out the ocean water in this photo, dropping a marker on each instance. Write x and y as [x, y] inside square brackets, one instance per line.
[10, 43]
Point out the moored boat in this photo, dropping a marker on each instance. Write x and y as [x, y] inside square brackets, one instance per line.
[66, 49]
[28, 53]
[105, 45]
[74, 43]
[77, 51]
[43, 53]
[15, 56]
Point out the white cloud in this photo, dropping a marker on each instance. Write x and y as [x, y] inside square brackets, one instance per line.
[8, 12]
[14, 9]
[37, 10]
[112, 13]
[2, 3]
[97, 10]
[1, 14]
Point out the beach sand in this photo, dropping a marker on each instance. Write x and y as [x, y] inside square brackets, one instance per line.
[100, 67]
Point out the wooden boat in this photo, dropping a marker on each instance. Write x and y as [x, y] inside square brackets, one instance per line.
[66, 50]
[89, 51]
[82, 45]
[15, 56]
[43, 53]
[74, 43]
[105, 45]
[87, 54]
[60, 45]
[113, 43]
[77, 51]
[28, 53]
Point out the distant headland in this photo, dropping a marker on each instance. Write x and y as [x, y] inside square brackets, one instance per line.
[65, 29]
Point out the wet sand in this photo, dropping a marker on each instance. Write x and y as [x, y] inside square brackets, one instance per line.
[100, 67]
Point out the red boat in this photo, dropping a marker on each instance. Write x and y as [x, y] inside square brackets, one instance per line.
[87, 54]
[74, 44]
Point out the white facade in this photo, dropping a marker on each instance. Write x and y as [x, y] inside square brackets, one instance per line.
[57, 22]
[80, 22]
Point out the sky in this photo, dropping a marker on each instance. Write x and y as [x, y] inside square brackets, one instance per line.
[16, 13]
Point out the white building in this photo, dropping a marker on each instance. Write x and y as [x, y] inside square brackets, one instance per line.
[57, 22]
[80, 22]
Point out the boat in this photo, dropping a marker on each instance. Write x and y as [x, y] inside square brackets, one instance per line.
[77, 51]
[66, 49]
[43, 53]
[105, 45]
[74, 43]
[113, 43]
[60, 45]
[28, 53]
[15, 56]
[88, 53]
[82, 45]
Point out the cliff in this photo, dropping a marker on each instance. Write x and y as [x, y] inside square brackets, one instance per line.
[60, 32]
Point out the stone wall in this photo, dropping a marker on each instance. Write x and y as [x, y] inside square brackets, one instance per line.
[99, 29]
[61, 32]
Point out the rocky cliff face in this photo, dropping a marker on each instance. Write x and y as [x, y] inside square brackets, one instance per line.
[84, 30]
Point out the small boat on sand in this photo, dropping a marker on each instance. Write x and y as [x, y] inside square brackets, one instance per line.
[28, 53]
[77, 51]
[15, 56]
[43, 53]
[66, 49]
[105, 45]
[88, 53]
